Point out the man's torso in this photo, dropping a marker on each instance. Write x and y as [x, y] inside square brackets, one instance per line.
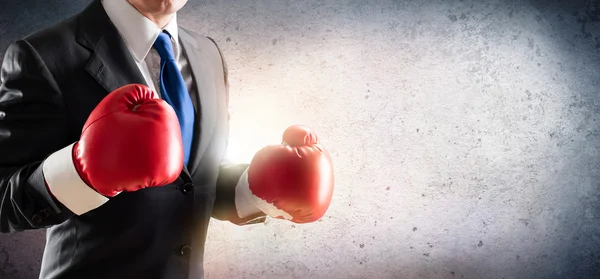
[148, 233]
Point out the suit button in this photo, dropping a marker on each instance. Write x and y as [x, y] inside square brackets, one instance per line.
[2, 114]
[187, 188]
[36, 218]
[46, 212]
[185, 250]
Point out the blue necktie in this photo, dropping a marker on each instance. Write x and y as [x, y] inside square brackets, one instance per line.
[174, 91]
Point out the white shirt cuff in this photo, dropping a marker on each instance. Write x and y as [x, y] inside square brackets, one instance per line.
[248, 204]
[66, 185]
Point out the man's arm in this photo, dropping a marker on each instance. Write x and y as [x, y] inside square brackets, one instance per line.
[292, 181]
[33, 124]
[231, 177]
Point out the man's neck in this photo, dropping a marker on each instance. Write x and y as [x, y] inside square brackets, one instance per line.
[161, 20]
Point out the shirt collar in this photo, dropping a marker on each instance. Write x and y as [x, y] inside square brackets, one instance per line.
[137, 30]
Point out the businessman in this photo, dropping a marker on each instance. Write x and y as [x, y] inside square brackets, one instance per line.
[113, 129]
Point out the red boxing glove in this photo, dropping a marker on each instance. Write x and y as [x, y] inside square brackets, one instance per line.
[130, 141]
[295, 177]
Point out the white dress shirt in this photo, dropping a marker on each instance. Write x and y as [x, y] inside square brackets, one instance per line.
[140, 33]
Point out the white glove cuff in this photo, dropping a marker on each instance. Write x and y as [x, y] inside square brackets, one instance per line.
[248, 204]
[66, 185]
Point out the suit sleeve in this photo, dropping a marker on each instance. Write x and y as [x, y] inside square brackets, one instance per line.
[230, 177]
[227, 204]
[33, 124]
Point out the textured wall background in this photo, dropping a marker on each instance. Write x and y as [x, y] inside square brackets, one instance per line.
[465, 134]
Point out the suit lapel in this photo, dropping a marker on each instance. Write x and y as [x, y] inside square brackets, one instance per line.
[111, 64]
[205, 90]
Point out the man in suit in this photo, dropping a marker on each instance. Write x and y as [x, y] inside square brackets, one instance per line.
[54, 79]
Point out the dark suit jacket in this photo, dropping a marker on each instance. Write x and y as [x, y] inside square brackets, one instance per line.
[51, 81]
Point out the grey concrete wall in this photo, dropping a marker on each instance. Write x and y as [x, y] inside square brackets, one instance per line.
[465, 135]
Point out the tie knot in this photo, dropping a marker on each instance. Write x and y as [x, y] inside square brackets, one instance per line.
[164, 47]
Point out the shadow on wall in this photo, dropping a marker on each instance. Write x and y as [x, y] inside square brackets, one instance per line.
[575, 26]
[20, 18]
